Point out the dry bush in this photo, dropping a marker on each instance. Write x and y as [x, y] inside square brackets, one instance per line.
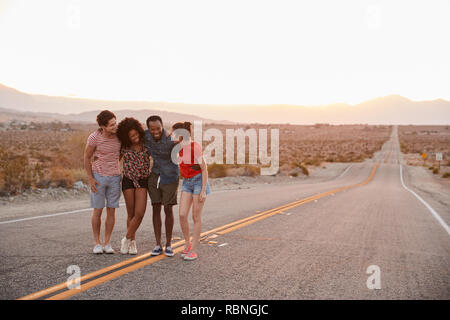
[16, 172]
[62, 177]
[76, 144]
[80, 175]
[216, 170]
[304, 169]
[251, 170]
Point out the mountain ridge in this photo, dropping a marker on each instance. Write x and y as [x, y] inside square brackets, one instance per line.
[390, 109]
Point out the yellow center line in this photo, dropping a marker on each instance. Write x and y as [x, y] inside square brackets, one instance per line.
[63, 285]
[177, 248]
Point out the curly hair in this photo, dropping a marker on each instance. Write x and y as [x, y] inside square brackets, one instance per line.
[125, 126]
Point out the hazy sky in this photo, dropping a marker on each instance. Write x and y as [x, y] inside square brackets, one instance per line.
[294, 52]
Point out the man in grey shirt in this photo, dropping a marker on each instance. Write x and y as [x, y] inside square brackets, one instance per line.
[163, 181]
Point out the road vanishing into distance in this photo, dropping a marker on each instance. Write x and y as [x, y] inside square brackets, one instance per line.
[363, 234]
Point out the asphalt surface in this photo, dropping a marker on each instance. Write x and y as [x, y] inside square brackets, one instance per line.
[318, 250]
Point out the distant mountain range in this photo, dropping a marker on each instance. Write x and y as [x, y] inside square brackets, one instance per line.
[392, 109]
[16, 105]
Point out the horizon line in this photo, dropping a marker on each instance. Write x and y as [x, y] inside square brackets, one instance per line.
[72, 96]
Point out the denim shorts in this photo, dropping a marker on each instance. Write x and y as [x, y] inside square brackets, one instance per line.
[108, 192]
[194, 185]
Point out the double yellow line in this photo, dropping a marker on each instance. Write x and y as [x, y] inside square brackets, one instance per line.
[178, 247]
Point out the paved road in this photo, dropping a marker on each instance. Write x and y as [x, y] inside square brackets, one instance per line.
[317, 250]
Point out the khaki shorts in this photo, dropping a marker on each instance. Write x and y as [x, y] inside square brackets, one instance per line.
[165, 194]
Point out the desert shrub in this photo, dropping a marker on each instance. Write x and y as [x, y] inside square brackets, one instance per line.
[304, 169]
[313, 162]
[76, 144]
[216, 170]
[446, 175]
[62, 160]
[79, 175]
[62, 177]
[43, 184]
[251, 171]
[435, 171]
[17, 174]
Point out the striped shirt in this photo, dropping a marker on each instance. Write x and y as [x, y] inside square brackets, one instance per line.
[106, 154]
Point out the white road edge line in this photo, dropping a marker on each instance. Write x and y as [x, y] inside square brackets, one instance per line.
[435, 214]
[51, 215]
[345, 171]
[73, 211]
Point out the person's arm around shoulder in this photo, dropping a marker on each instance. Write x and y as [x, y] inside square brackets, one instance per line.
[88, 153]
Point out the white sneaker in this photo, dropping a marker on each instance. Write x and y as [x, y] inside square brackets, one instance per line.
[108, 249]
[124, 245]
[133, 249]
[98, 249]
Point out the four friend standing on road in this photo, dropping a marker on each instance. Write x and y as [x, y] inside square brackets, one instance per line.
[129, 141]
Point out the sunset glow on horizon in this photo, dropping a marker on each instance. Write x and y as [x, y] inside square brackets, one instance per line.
[227, 52]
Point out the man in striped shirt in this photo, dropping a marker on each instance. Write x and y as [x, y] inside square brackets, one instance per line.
[104, 176]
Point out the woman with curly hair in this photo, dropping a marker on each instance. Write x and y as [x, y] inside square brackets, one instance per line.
[136, 169]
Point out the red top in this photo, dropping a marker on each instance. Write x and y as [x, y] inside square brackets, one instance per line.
[188, 156]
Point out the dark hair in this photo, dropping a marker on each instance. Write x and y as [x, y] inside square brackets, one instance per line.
[154, 118]
[183, 125]
[104, 117]
[125, 126]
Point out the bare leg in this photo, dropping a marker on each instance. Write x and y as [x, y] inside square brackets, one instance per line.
[128, 194]
[168, 210]
[109, 223]
[157, 222]
[139, 211]
[197, 208]
[185, 207]
[96, 222]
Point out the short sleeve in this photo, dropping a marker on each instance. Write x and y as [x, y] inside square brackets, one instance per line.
[92, 140]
